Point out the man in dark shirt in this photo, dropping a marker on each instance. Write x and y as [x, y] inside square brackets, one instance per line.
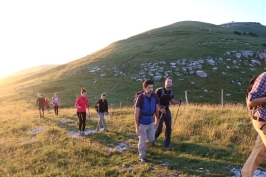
[41, 103]
[165, 97]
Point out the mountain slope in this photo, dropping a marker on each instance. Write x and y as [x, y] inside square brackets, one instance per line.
[247, 27]
[116, 68]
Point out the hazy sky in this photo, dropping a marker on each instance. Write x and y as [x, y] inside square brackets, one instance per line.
[36, 32]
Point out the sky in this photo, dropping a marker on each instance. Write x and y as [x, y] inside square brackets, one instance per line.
[38, 32]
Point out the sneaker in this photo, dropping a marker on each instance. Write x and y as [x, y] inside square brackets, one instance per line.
[142, 160]
[82, 133]
[167, 148]
[153, 143]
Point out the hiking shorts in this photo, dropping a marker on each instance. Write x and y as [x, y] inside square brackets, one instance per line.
[41, 108]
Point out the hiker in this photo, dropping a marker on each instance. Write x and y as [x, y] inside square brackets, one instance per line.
[145, 108]
[101, 107]
[41, 103]
[165, 97]
[81, 104]
[56, 103]
[47, 106]
[256, 101]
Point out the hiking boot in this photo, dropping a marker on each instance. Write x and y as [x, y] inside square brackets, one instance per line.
[167, 149]
[142, 160]
[153, 143]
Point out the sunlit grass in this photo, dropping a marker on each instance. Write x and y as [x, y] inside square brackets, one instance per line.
[204, 136]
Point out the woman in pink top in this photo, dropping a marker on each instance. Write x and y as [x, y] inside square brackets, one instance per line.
[81, 104]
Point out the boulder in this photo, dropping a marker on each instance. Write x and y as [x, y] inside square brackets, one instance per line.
[157, 78]
[256, 62]
[238, 55]
[211, 62]
[201, 73]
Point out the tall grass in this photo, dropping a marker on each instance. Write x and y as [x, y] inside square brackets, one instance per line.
[203, 136]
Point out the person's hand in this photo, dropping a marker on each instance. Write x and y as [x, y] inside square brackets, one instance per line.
[162, 110]
[137, 131]
[156, 125]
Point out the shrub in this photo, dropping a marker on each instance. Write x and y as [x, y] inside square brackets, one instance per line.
[237, 32]
[253, 34]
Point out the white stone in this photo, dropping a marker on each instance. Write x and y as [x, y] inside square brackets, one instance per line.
[102, 75]
[92, 71]
[191, 72]
[256, 62]
[214, 68]
[157, 78]
[189, 68]
[139, 80]
[228, 67]
[211, 62]
[228, 53]
[238, 55]
[223, 72]
[227, 94]
[238, 83]
[201, 61]
[205, 90]
[192, 83]
[173, 64]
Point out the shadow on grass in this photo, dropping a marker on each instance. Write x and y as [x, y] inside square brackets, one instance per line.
[193, 159]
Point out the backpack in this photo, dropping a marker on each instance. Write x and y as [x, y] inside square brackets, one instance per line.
[136, 97]
[142, 98]
[251, 83]
[163, 93]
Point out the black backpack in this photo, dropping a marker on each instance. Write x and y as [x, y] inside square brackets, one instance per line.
[251, 83]
[163, 93]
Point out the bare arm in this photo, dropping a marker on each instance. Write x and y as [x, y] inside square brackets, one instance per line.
[256, 102]
[137, 116]
[137, 120]
[157, 117]
[172, 101]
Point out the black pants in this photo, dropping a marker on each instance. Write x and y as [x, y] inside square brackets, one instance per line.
[56, 110]
[167, 120]
[82, 120]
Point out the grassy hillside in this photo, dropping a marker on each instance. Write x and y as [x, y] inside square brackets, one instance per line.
[206, 141]
[121, 63]
[25, 73]
[248, 27]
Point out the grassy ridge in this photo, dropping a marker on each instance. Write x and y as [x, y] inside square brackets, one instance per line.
[203, 136]
[189, 40]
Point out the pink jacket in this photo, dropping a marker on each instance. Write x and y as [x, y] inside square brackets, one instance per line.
[83, 102]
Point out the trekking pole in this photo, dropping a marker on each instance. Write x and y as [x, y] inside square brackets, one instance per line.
[160, 118]
[180, 101]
